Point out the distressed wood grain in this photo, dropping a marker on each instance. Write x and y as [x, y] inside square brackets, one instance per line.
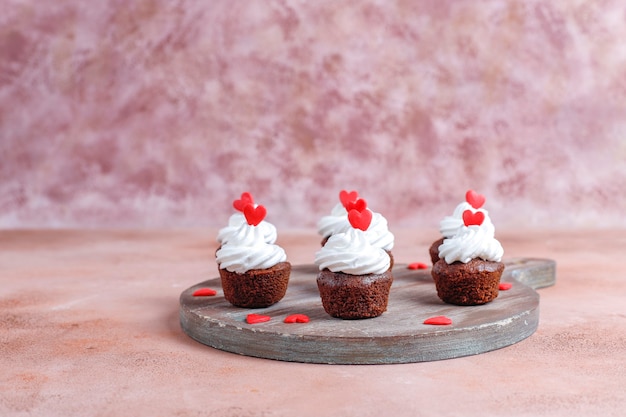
[398, 336]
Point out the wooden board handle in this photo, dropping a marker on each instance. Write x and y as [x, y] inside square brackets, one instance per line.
[532, 272]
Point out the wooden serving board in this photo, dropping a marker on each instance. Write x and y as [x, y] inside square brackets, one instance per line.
[398, 336]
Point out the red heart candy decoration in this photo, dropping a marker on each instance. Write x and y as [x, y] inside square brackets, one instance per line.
[347, 197]
[297, 318]
[358, 205]
[473, 219]
[505, 286]
[438, 321]
[204, 292]
[244, 200]
[417, 265]
[360, 219]
[474, 199]
[254, 215]
[257, 318]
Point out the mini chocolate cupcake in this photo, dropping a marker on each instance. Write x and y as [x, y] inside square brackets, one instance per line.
[469, 269]
[348, 296]
[254, 273]
[467, 284]
[355, 277]
[256, 288]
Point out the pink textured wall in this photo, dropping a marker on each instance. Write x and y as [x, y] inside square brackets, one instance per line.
[159, 113]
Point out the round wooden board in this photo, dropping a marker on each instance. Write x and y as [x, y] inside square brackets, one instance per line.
[398, 336]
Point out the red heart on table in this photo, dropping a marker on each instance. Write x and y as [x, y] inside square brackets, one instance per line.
[257, 318]
[204, 292]
[347, 197]
[358, 205]
[474, 199]
[503, 286]
[254, 215]
[244, 200]
[360, 219]
[473, 219]
[438, 321]
[297, 318]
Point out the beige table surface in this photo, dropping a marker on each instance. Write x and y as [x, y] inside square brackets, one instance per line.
[89, 327]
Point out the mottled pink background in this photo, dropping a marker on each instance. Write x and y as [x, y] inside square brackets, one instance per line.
[159, 113]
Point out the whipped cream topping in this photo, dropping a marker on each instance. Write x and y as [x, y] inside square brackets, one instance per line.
[247, 249]
[352, 253]
[236, 220]
[377, 234]
[336, 222]
[471, 242]
[451, 225]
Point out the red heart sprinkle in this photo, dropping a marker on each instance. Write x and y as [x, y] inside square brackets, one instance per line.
[438, 321]
[204, 292]
[505, 286]
[360, 219]
[358, 205]
[257, 318]
[474, 199]
[254, 215]
[347, 197]
[473, 219]
[244, 200]
[417, 265]
[297, 318]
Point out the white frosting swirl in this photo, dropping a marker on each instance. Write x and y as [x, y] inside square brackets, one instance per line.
[469, 243]
[451, 225]
[377, 234]
[246, 249]
[351, 253]
[336, 222]
[236, 220]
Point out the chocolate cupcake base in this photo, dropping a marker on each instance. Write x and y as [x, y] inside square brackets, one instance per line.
[353, 297]
[433, 251]
[256, 288]
[473, 283]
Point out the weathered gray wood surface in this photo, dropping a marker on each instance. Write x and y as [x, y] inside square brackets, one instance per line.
[398, 336]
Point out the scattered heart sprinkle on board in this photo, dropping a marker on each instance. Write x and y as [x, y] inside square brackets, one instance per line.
[438, 321]
[204, 292]
[297, 318]
[257, 318]
[417, 265]
[505, 286]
